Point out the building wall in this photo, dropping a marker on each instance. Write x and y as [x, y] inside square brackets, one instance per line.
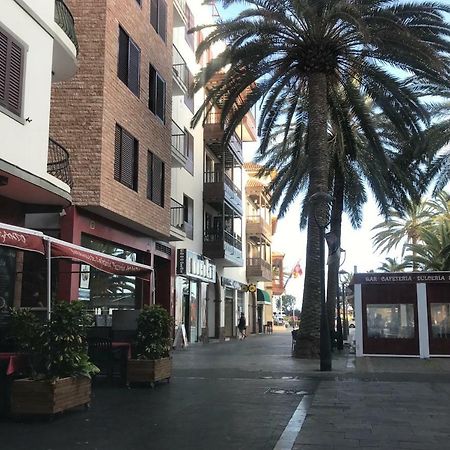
[86, 109]
[25, 142]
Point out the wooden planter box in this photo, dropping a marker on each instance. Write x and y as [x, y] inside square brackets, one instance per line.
[49, 397]
[148, 371]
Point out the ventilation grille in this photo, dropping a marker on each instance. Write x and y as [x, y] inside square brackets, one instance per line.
[163, 248]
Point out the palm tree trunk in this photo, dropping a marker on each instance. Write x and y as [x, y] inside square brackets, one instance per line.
[308, 340]
[333, 267]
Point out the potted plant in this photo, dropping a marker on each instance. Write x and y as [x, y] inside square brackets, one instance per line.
[151, 352]
[60, 370]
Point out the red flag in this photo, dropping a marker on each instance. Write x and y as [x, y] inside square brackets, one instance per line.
[297, 270]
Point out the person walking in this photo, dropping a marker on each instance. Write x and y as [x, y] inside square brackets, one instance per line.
[242, 327]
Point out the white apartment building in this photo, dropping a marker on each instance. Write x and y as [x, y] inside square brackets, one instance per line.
[208, 226]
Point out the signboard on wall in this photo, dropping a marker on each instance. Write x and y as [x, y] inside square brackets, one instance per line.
[195, 266]
[233, 284]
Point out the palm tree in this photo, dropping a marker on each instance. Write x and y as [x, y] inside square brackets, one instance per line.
[391, 265]
[280, 52]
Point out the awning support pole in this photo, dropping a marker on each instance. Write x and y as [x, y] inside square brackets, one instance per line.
[49, 279]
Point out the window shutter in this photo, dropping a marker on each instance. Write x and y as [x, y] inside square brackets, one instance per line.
[155, 182]
[3, 61]
[162, 19]
[15, 79]
[127, 160]
[133, 67]
[122, 68]
[160, 97]
[152, 89]
[154, 14]
[117, 152]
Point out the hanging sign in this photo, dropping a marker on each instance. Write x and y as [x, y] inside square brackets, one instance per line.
[193, 265]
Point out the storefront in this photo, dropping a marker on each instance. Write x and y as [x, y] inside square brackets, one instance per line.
[194, 273]
[404, 314]
[265, 310]
[234, 304]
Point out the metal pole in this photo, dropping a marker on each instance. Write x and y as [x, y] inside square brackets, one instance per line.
[49, 279]
[325, 344]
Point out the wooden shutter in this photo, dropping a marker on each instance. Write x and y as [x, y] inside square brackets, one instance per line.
[133, 67]
[162, 22]
[11, 73]
[160, 97]
[122, 67]
[152, 89]
[155, 183]
[117, 152]
[154, 14]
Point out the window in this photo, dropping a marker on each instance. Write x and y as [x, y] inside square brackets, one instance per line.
[11, 73]
[188, 211]
[189, 96]
[393, 321]
[157, 94]
[129, 62]
[190, 37]
[189, 151]
[126, 158]
[158, 17]
[155, 182]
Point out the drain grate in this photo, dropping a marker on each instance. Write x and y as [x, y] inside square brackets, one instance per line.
[285, 392]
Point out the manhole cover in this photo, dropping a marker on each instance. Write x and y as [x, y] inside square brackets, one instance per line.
[285, 392]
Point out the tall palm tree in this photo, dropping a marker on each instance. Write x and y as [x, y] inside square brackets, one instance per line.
[296, 49]
[392, 265]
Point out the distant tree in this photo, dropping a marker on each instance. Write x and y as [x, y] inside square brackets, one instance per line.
[288, 302]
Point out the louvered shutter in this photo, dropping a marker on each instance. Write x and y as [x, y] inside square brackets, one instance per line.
[158, 181]
[117, 153]
[122, 68]
[152, 89]
[162, 22]
[160, 97]
[127, 160]
[154, 14]
[133, 67]
[3, 63]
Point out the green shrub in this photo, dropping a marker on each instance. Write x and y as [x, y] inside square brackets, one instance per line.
[153, 333]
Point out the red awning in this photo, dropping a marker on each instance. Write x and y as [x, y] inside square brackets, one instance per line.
[21, 238]
[101, 261]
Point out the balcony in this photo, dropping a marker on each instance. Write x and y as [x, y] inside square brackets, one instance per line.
[58, 163]
[65, 43]
[224, 246]
[213, 135]
[179, 156]
[256, 225]
[258, 270]
[177, 232]
[218, 187]
[179, 13]
[180, 73]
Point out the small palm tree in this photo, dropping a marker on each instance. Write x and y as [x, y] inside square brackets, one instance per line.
[392, 265]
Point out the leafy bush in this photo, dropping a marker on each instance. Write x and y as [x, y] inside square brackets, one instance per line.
[57, 348]
[153, 333]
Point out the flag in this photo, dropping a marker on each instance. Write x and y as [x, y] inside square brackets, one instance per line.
[297, 270]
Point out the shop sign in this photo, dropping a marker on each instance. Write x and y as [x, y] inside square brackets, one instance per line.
[233, 284]
[193, 265]
[403, 277]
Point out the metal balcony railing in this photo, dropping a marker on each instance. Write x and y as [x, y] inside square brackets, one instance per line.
[178, 140]
[180, 69]
[64, 18]
[58, 163]
[176, 214]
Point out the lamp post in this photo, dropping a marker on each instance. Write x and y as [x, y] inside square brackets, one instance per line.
[343, 275]
[320, 202]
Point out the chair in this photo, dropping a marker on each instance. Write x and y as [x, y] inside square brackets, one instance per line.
[101, 354]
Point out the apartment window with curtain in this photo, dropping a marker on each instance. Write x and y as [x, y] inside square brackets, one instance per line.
[12, 56]
[157, 94]
[190, 37]
[188, 211]
[155, 181]
[189, 151]
[126, 158]
[158, 17]
[129, 62]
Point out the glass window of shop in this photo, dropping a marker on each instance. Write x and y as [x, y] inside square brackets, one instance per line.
[390, 321]
[240, 303]
[7, 276]
[190, 308]
[103, 290]
[440, 320]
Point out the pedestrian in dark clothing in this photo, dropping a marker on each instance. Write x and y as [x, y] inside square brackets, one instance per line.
[242, 326]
